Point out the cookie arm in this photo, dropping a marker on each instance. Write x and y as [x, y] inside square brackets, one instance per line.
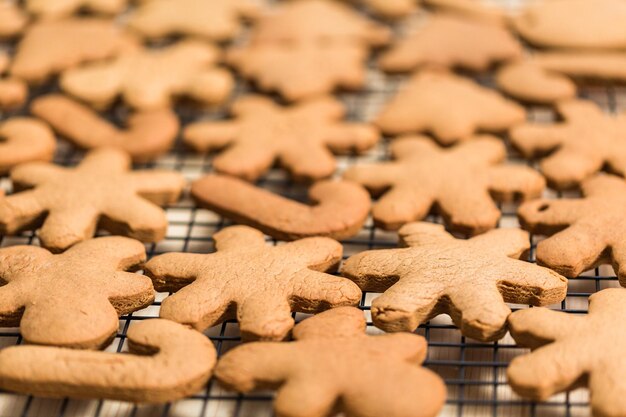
[510, 242]
[535, 327]
[20, 210]
[96, 83]
[207, 136]
[509, 183]
[550, 216]
[116, 252]
[534, 139]
[211, 86]
[135, 217]
[314, 291]
[374, 270]
[158, 186]
[35, 173]
[525, 283]
[172, 271]
[375, 177]
[317, 253]
[347, 137]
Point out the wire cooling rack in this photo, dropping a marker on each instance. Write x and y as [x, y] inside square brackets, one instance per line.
[474, 372]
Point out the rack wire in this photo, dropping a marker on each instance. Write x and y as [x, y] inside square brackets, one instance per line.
[474, 372]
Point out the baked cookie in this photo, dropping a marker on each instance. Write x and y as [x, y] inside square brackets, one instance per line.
[434, 273]
[474, 9]
[575, 24]
[582, 145]
[13, 92]
[301, 137]
[71, 203]
[50, 47]
[61, 8]
[146, 136]
[24, 139]
[148, 79]
[300, 71]
[452, 108]
[167, 362]
[389, 9]
[550, 77]
[587, 231]
[72, 299]
[258, 284]
[462, 182]
[566, 352]
[13, 20]
[332, 366]
[339, 207]
[450, 41]
[216, 20]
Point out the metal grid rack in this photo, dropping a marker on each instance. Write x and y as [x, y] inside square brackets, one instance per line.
[474, 372]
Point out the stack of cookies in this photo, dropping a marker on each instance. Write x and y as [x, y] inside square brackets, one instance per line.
[264, 89]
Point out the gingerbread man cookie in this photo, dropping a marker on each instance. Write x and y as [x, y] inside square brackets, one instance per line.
[550, 77]
[300, 137]
[49, 47]
[12, 20]
[570, 350]
[148, 134]
[470, 280]
[453, 108]
[339, 208]
[462, 182]
[217, 20]
[13, 92]
[71, 203]
[72, 299]
[582, 145]
[575, 24]
[257, 284]
[61, 8]
[587, 231]
[333, 366]
[167, 362]
[24, 139]
[147, 78]
[449, 41]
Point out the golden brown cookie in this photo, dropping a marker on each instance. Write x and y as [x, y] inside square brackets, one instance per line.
[339, 207]
[389, 9]
[434, 273]
[72, 299]
[257, 284]
[452, 108]
[474, 9]
[13, 20]
[587, 231]
[450, 41]
[550, 77]
[146, 136]
[13, 92]
[166, 362]
[49, 47]
[572, 350]
[301, 71]
[217, 20]
[576, 24]
[333, 366]
[585, 142]
[300, 137]
[462, 182]
[150, 78]
[69, 204]
[61, 8]
[24, 139]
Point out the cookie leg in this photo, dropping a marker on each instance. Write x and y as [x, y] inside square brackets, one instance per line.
[136, 218]
[304, 398]
[197, 305]
[65, 228]
[316, 291]
[20, 211]
[399, 206]
[566, 169]
[618, 258]
[479, 312]
[608, 398]
[245, 160]
[535, 327]
[469, 210]
[265, 317]
[309, 162]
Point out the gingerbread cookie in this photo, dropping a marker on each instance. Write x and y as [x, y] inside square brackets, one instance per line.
[462, 182]
[582, 145]
[149, 78]
[217, 20]
[389, 9]
[470, 280]
[257, 284]
[449, 41]
[474, 9]
[72, 299]
[587, 231]
[319, 22]
[453, 108]
[12, 20]
[61, 8]
[49, 47]
[333, 366]
[301, 71]
[571, 350]
[576, 24]
[71, 203]
[300, 137]
[24, 139]
[547, 77]
[167, 362]
[339, 211]
[13, 92]
[148, 134]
